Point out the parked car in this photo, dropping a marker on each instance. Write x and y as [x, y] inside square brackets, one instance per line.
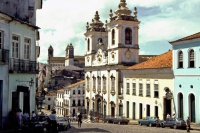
[120, 120]
[149, 121]
[174, 123]
[37, 124]
[63, 123]
[108, 119]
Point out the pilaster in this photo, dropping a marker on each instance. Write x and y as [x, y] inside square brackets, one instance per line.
[108, 91]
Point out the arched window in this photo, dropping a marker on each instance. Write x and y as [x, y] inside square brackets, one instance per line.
[113, 37]
[79, 92]
[180, 59]
[88, 44]
[74, 92]
[128, 36]
[191, 58]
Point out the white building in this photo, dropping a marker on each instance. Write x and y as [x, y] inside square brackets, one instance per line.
[18, 45]
[70, 100]
[49, 102]
[109, 49]
[145, 85]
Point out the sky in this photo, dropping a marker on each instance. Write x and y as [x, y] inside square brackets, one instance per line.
[64, 21]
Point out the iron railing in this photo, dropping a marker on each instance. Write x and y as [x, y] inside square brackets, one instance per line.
[23, 66]
[4, 56]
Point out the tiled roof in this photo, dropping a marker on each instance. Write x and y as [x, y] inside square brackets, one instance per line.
[160, 61]
[51, 94]
[76, 84]
[194, 36]
[61, 90]
[57, 58]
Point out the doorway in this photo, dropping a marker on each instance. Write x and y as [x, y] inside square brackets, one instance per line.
[74, 112]
[120, 110]
[134, 110]
[112, 111]
[167, 108]
[140, 111]
[180, 105]
[26, 102]
[156, 111]
[99, 106]
[104, 111]
[15, 100]
[148, 110]
[192, 107]
[127, 109]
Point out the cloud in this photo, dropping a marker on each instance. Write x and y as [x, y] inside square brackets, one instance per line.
[63, 22]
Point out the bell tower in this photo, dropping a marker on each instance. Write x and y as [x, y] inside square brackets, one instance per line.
[69, 56]
[123, 28]
[95, 38]
[50, 51]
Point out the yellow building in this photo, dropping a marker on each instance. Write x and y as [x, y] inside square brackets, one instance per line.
[144, 88]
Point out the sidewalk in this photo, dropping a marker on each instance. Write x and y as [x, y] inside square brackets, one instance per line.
[193, 125]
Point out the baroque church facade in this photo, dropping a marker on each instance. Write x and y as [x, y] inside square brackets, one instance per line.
[109, 50]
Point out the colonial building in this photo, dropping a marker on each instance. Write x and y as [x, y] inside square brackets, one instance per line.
[18, 60]
[70, 100]
[58, 63]
[186, 62]
[109, 49]
[144, 88]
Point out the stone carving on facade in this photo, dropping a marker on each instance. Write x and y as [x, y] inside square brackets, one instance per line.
[112, 85]
[88, 83]
[94, 84]
[112, 104]
[100, 58]
[104, 85]
[99, 84]
[112, 55]
[120, 102]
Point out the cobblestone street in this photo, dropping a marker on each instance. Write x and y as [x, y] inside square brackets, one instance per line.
[115, 128]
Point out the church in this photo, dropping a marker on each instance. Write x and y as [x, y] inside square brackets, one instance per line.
[110, 48]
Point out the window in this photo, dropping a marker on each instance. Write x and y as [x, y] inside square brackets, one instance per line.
[88, 44]
[104, 83]
[79, 92]
[156, 90]
[191, 58]
[74, 102]
[148, 89]
[79, 102]
[127, 87]
[113, 37]
[113, 83]
[74, 92]
[83, 91]
[134, 88]
[99, 84]
[27, 43]
[94, 83]
[83, 103]
[140, 88]
[180, 59]
[49, 99]
[1, 39]
[15, 46]
[128, 36]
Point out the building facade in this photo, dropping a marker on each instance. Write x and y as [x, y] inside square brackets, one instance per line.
[70, 100]
[109, 49]
[145, 85]
[18, 56]
[186, 60]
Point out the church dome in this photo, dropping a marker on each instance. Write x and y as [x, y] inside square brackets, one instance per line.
[122, 9]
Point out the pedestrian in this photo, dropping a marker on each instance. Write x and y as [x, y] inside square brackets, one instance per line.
[25, 116]
[79, 120]
[33, 115]
[53, 122]
[19, 118]
[168, 116]
[12, 120]
[188, 124]
[157, 122]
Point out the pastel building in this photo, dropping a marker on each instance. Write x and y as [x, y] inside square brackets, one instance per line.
[186, 60]
[144, 87]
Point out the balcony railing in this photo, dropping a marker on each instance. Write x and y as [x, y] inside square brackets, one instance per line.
[23, 66]
[4, 56]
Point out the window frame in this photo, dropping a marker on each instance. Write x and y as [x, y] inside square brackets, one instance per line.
[140, 88]
[27, 51]
[190, 60]
[128, 29]
[113, 37]
[156, 89]
[180, 62]
[15, 48]
[1, 39]
[127, 87]
[148, 89]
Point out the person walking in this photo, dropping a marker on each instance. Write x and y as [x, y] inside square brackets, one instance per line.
[168, 116]
[33, 115]
[53, 122]
[79, 120]
[19, 118]
[188, 124]
[25, 116]
[157, 122]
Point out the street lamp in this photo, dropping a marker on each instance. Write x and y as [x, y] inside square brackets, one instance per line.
[31, 82]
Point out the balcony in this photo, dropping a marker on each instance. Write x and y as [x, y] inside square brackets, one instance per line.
[73, 105]
[4, 56]
[23, 66]
[66, 105]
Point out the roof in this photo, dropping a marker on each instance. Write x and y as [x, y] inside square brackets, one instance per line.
[194, 36]
[160, 61]
[61, 90]
[22, 22]
[51, 94]
[76, 84]
[71, 67]
[57, 58]
[79, 56]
